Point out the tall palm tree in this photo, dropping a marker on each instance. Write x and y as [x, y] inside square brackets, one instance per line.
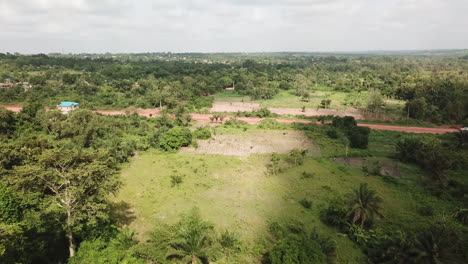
[364, 204]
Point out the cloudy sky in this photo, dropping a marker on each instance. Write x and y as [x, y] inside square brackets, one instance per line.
[35, 26]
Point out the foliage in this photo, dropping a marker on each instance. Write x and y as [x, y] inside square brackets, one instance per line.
[295, 245]
[364, 205]
[176, 180]
[10, 206]
[236, 124]
[175, 138]
[7, 121]
[270, 123]
[202, 133]
[335, 214]
[307, 204]
[295, 249]
[117, 250]
[429, 152]
[297, 156]
[191, 240]
[261, 113]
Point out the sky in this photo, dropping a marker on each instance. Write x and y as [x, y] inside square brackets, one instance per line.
[98, 26]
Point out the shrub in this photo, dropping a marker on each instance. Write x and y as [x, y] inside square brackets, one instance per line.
[176, 180]
[307, 175]
[175, 138]
[236, 123]
[229, 241]
[359, 137]
[202, 133]
[297, 249]
[269, 123]
[335, 214]
[306, 203]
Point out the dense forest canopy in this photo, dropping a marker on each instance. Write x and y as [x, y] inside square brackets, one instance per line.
[434, 86]
[60, 173]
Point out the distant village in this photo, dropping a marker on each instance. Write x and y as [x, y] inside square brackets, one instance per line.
[8, 84]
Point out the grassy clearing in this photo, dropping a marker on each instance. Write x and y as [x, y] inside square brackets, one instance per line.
[234, 193]
[237, 194]
[287, 99]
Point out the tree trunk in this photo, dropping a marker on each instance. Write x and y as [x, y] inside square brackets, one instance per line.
[71, 243]
[194, 260]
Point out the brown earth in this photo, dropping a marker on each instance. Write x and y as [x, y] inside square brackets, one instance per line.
[232, 107]
[257, 142]
[254, 120]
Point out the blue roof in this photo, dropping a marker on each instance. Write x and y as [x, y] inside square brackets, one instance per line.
[68, 104]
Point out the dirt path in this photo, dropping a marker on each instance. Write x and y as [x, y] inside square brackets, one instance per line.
[254, 120]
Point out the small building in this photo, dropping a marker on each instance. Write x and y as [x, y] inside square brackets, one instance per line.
[66, 107]
[6, 85]
[233, 88]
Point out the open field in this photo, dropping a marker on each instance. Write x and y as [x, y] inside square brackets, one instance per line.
[287, 99]
[255, 142]
[236, 193]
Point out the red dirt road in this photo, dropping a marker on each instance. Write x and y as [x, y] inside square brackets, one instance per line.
[254, 120]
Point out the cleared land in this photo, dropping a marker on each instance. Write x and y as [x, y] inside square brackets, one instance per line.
[255, 142]
[238, 194]
[254, 120]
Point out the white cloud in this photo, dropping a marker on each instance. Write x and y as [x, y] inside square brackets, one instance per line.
[33, 26]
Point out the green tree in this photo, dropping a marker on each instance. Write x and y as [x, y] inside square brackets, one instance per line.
[364, 205]
[175, 138]
[78, 181]
[375, 102]
[438, 244]
[193, 241]
[298, 156]
[7, 121]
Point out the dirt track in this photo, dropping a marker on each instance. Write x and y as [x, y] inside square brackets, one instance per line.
[254, 120]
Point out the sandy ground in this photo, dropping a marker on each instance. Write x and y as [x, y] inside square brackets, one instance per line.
[321, 112]
[254, 120]
[13, 107]
[258, 142]
[220, 106]
[230, 107]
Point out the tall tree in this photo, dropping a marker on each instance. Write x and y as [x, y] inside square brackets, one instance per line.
[79, 181]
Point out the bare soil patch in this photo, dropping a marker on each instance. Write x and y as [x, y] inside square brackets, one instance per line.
[221, 106]
[257, 142]
[320, 112]
[13, 107]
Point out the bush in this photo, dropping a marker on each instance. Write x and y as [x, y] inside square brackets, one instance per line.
[335, 214]
[306, 203]
[100, 251]
[297, 249]
[202, 133]
[262, 113]
[229, 241]
[175, 138]
[176, 180]
[269, 123]
[307, 175]
[359, 137]
[236, 123]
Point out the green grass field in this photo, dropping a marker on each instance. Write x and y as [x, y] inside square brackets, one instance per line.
[287, 99]
[236, 193]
